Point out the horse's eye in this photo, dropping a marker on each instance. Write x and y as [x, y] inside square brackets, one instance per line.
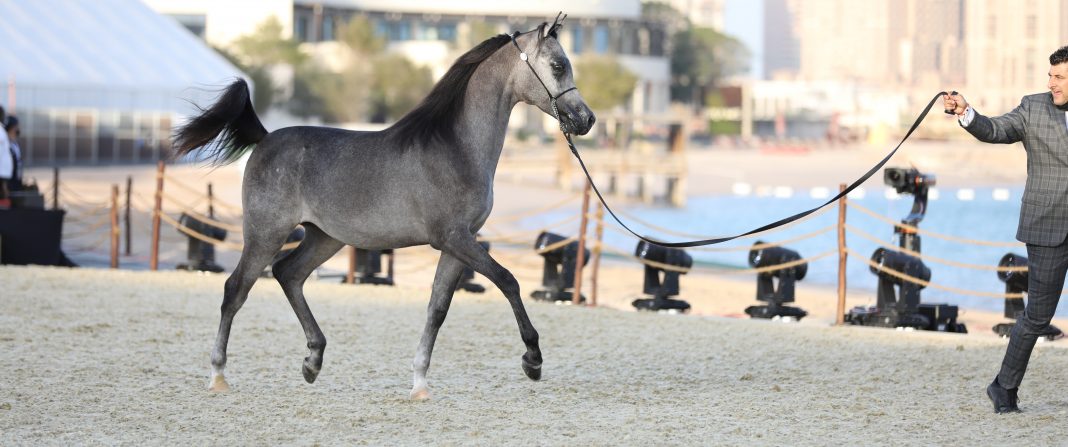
[558, 68]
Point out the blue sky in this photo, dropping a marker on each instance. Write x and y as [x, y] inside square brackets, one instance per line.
[744, 19]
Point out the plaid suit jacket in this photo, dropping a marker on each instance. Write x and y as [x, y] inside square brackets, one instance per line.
[1040, 125]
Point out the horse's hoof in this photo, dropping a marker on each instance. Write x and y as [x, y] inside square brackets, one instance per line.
[532, 371]
[420, 394]
[309, 373]
[218, 385]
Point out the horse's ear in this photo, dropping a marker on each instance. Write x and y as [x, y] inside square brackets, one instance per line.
[557, 23]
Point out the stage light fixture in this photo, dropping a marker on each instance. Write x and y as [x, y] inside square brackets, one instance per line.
[786, 278]
[898, 300]
[1016, 282]
[558, 275]
[369, 265]
[200, 255]
[659, 282]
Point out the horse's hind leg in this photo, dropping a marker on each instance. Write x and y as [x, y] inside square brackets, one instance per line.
[291, 272]
[258, 251]
[445, 280]
[462, 245]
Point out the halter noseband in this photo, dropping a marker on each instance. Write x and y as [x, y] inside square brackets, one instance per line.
[552, 99]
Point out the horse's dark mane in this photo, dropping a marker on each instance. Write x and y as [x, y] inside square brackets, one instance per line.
[435, 117]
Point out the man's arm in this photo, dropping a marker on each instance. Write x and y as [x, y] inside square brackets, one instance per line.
[1004, 129]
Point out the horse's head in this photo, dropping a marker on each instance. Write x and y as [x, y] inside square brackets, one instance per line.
[549, 79]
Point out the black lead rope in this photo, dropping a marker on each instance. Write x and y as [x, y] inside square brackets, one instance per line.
[698, 243]
[772, 225]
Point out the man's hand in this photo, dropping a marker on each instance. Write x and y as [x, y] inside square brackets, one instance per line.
[954, 103]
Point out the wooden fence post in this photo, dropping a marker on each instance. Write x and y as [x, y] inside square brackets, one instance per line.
[129, 188]
[576, 297]
[55, 187]
[839, 318]
[350, 276]
[597, 254]
[211, 202]
[114, 226]
[153, 260]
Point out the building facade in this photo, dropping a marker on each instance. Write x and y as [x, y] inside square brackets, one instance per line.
[434, 33]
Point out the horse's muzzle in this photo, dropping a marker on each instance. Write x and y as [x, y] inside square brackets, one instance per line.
[579, 123]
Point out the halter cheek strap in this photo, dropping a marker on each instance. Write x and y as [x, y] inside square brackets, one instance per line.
[552, 99]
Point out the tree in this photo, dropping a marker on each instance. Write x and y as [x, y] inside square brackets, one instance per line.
[258, 52]
[398, 86]
[263, 90]
[340, 96]
[604, 83]
[665, 14]
[359, 35]
[266, 46]
[700, 59]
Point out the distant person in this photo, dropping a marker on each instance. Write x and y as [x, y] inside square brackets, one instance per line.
[7, 163]
[1041, 123]
[13, 132]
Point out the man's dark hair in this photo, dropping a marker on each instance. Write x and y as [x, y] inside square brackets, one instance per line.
[1060, 56]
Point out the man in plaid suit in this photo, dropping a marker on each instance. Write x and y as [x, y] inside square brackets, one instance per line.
[1041, 123]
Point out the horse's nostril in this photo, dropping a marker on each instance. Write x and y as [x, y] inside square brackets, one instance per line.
[593, 119]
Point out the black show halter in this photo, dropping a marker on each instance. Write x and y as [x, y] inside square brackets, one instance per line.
[552, 99]
[719, 240]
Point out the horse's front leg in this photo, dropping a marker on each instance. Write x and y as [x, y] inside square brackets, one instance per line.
[445, 280]
[463, 246]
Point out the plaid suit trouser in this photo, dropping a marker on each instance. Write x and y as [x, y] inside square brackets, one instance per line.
[1046, 270]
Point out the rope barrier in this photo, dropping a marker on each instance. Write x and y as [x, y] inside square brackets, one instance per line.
[691, 235]
[524, 236]
[79, 198]
[92, 246]
[874, 239]
[216, 201]
[758, 270]
[751, 247]
[105, 219]
[418, 267]
[915, 280]
[910, 228]
[82, 217]
[174, 181]
[524, 214]
[554, 246]
[769, 244]
[167, 198]
[216, 242]
[205, 219]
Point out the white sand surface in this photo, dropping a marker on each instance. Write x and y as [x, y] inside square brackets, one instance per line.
[122, 358]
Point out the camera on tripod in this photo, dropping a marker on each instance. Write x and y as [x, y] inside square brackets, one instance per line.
[902, 275]
[908, 181]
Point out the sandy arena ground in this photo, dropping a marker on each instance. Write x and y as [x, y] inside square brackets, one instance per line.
[121, 357]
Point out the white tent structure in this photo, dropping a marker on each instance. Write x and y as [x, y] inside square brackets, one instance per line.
[102, 81]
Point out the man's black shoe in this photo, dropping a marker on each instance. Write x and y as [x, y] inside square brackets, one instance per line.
[1004, 399]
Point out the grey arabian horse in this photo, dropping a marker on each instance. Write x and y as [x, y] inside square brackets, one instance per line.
[428, 179]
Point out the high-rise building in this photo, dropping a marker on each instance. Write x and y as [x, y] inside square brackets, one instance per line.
[782, 45]
[889, 42]
[926, 38]
[1007, 49]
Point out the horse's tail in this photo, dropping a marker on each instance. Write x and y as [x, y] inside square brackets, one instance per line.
[231, 119]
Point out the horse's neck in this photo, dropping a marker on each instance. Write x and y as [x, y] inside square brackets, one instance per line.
[488, 104]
